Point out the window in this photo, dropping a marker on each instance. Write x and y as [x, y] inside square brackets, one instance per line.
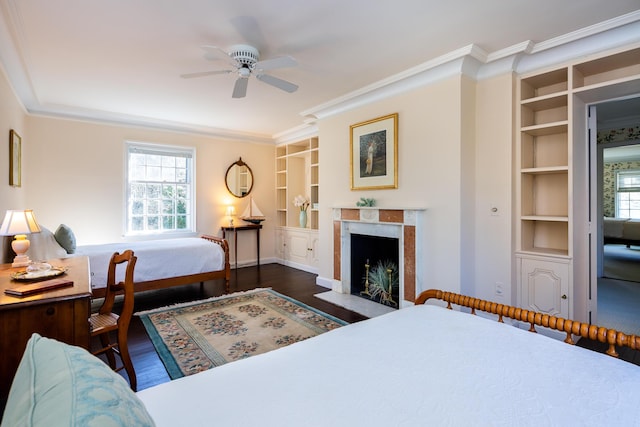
[160, 189]
[628, 194]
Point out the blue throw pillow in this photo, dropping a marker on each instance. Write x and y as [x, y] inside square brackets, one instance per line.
[61, 385]
[65, 238]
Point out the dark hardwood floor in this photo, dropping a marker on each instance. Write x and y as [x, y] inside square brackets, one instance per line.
[297, 284]
[294, 283]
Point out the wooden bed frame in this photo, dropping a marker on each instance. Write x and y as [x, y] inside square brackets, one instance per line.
[188, 279]
[570, 327]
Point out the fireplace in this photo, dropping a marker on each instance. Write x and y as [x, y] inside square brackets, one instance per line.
[402, 226]
[374, 269]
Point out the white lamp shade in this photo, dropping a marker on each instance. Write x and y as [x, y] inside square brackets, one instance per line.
[231, 211]
[19, 222]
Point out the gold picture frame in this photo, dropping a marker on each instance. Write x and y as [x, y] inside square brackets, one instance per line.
[374, 153]
[15, 159]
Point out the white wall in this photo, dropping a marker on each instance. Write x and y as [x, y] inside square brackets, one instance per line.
[76, 176]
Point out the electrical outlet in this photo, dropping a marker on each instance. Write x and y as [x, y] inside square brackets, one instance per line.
[499, 289]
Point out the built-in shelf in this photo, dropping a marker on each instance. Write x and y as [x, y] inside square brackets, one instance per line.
[297, 173]
[545, 110]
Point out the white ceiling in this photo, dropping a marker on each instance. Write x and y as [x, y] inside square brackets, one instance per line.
[120, 60]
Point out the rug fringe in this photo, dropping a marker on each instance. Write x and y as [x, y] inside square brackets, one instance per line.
[189, 303]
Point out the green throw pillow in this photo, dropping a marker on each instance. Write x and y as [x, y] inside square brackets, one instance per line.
[61, 385]
[65, 238]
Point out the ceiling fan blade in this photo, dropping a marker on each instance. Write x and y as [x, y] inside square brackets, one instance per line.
[240, 88]
[214, 53]
[280, 62]
[279, 83]
[204, 73]
[249, 28]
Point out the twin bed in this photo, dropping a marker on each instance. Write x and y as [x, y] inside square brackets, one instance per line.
[163, 263]
[421, 365]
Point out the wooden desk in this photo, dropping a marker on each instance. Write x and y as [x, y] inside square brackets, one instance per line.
[235, 229]
[62, 314]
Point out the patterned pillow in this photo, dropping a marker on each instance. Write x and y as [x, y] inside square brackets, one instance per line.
[61, 385]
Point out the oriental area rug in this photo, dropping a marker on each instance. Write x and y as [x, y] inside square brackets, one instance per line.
[196, 336]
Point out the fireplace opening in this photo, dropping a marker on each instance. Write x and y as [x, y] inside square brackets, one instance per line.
[375, 271]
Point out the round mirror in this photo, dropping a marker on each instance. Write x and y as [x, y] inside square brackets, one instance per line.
[239, 179]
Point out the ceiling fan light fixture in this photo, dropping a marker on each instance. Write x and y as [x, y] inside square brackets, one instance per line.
[244, 54]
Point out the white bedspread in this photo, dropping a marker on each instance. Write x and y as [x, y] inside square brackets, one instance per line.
[157, 259]
[418, 366]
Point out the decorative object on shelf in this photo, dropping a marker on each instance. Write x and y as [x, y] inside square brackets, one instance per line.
[303, 219]
[230, 213]
[363, 202]
[19, 223]
[303, 203]
[374, 154]
[252, 214]
[15, 159]
[239, 179]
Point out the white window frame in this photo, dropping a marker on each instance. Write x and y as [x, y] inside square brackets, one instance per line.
[166, 150]
[628, 188]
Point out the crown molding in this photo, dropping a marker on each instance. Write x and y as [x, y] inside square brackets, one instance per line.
[474, 62]
[102, 117]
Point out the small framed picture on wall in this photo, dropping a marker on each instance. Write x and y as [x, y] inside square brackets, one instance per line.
[15, 159]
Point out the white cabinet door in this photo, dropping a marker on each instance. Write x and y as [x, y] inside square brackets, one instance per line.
[544, 286]
[298, 247]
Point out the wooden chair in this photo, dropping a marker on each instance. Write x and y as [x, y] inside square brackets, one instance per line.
[105, 321]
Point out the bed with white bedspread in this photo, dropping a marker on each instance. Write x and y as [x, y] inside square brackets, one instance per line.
[422, 365]
[167, 262]
[161, 263]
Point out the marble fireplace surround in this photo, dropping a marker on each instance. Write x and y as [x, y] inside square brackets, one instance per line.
[404, 224]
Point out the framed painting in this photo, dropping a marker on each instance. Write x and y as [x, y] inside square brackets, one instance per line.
[374, 154]
[15, 159]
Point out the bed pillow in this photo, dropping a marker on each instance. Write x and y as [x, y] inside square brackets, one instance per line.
[57, 384]
[65, 237]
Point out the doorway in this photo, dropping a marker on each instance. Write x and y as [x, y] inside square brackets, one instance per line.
[617, 266]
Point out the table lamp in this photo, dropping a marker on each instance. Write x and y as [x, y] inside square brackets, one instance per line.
[231, 211]
[19, 223]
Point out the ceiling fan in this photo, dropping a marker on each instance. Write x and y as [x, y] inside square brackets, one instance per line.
[245, 60]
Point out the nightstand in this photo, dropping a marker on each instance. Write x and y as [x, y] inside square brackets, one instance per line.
[62, 314]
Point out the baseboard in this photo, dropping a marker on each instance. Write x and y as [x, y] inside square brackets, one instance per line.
[298, 266]
[324, 282]
[253, 262]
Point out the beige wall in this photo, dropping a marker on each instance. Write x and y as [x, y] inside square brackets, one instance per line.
[12, 116]
[494, 238]
[77, 177]
[429, 174]
[454, 155]
[455, 145]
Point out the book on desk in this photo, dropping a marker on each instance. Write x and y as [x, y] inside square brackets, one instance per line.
[38, 287]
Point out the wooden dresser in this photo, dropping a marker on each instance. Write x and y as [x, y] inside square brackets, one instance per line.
[62, 314]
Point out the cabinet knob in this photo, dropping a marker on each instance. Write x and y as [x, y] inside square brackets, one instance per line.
[563, 297]
[50, 310]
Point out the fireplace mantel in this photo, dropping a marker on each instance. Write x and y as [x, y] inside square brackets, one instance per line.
[403, 223]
